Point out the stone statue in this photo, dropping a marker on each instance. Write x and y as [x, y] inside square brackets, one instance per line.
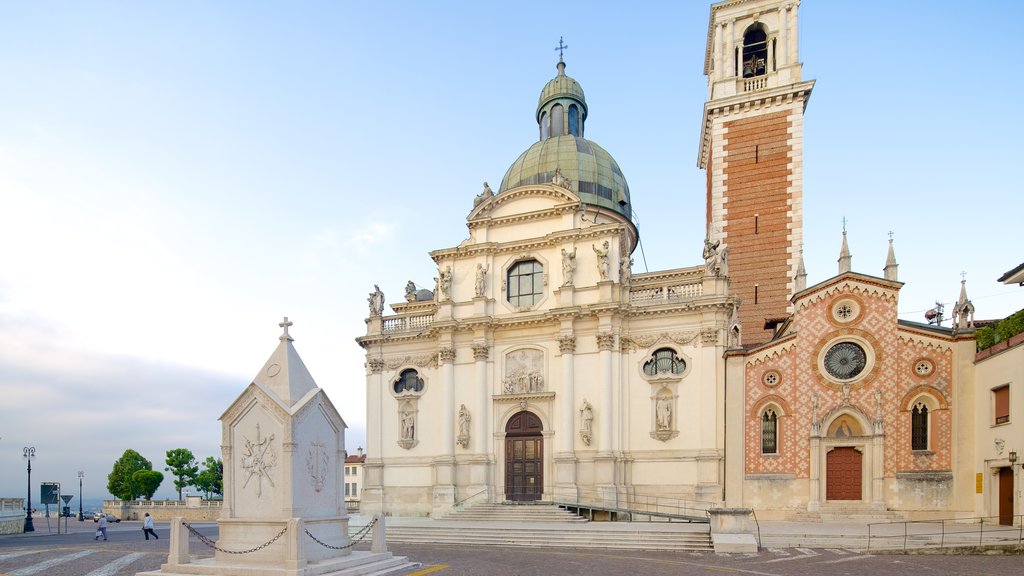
[602, 259]
[559, 180]
[408, 425]
[625, 267]
[410, 291]
[464, 420]
[664, 412]
[568, 266]
[376, 301]
[714, 257]
[445, 282]
[481, 279]
[586, 422]
[483, 196]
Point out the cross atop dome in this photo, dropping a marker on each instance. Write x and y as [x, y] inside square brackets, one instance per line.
[285, 324]
[561, 48]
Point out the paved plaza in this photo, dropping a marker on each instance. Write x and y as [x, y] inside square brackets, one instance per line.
[77, 554]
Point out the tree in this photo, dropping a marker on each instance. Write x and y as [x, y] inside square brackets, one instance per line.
[182, 464]
[120, 482]
[211, 479]
[147, 481]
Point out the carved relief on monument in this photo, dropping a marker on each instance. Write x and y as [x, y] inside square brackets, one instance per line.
[259, 458]
[524, 372]
[318, 465]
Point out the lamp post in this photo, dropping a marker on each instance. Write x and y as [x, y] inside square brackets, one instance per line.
[81, 475]
[29, 453]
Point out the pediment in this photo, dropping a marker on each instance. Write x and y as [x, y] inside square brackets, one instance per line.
[522, 201]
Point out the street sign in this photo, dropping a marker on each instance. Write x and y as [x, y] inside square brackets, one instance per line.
[66, 497]
[48, 492]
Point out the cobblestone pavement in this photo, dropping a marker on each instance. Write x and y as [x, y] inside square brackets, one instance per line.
[127, 552]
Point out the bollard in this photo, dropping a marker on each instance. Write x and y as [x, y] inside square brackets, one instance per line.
[178, 551]
[380, 544]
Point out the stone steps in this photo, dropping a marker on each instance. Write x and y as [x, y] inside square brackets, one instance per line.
[514, 513]
[565, 536]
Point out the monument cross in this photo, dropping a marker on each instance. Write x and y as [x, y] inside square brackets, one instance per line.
[285, 324]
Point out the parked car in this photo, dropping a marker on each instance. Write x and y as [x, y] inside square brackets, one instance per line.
[110, 517]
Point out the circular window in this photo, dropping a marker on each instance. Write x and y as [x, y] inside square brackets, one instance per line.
[771, 378]
[845, 310]
[923, 367]
[845, 360]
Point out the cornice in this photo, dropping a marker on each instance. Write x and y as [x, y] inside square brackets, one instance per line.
[885, 289]
[548, 240]
[928, 340]
[549, 190]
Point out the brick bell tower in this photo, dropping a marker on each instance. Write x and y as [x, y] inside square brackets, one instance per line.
[751, 146]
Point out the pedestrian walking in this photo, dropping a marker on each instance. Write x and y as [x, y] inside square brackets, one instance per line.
[101, 528]
[147, 527]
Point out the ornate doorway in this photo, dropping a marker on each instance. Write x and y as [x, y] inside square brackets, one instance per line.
[524, 458]
[1006, 496]
[843, 474]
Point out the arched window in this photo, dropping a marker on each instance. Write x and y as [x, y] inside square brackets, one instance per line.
[545, 129]
[769, 432]
[919, 427]
[574, 120]
[557, 120]
[664, 361]
[408, 381]
[755, 52]
[525, 283]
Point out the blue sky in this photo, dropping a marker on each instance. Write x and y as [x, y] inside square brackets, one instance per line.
[177, 176]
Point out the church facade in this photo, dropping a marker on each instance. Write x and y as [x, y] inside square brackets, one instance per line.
[541, 367]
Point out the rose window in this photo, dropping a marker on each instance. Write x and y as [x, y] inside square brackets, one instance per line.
[845, 360]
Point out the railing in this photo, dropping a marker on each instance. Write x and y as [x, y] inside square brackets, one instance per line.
[952, 532]
[665, 294]
[13, 504]
[161, 504]
[755, 83]
[640, 504]
[464, 500]
[407, 323]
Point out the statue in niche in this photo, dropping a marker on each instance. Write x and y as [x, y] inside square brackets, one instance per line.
[445, 282]
[602, 259]
[586, 422]
[483, 196]
[376, 301]
[464, 420]
[568, 266]
[625, 266]
[481, 279]
[408, 425]
[663, 408]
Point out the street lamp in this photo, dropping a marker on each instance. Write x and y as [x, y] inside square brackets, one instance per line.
[29, 453]
[1013, 458]
[81, 475]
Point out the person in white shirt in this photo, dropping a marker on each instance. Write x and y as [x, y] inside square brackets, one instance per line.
[147, 527]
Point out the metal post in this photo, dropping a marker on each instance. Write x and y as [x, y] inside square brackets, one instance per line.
[29, 453]
[81, 475]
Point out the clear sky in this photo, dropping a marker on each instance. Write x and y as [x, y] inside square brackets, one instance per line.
[177, 176]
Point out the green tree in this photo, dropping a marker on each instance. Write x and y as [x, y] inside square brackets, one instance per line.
[148, 481]
[211, 479]
[119, 481]
[182, 464]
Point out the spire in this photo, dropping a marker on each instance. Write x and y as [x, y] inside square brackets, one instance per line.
[890, 263]
[284, 373]
[963, 311]
[844, 255]
[800, 280]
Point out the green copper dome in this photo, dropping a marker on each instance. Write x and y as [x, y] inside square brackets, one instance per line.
[563, 156]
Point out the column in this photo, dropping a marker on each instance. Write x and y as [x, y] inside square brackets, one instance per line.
[605, 342]
[783, 51]
[481, 441]
[567, 345]
[730, 52]
[720, 49]
[447, 356]
[373, 469]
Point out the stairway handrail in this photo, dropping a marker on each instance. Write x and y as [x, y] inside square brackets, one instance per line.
[645, 504]
[1016, 525]
[461, 502]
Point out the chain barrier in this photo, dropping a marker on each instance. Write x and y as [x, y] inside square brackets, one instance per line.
[359, 536]
[354, 540]
[213, 544]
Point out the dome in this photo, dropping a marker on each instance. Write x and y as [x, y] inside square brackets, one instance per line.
[561, 86]
[591, 171]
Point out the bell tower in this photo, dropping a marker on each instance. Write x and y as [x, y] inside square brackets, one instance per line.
[751, 147]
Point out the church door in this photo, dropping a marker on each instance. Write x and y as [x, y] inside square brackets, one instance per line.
[524, 458]
[1006, 496]
[843, 474]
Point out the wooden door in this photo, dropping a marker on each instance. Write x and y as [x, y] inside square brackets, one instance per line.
[1006, 496]
[843, 474]
[524, 458]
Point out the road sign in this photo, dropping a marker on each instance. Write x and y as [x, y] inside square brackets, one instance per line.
[66, 497]
[48, 492]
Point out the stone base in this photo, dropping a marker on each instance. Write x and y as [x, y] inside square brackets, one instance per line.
[742, 543]
[354, 563]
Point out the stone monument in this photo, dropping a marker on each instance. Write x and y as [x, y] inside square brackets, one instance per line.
[283, 446]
